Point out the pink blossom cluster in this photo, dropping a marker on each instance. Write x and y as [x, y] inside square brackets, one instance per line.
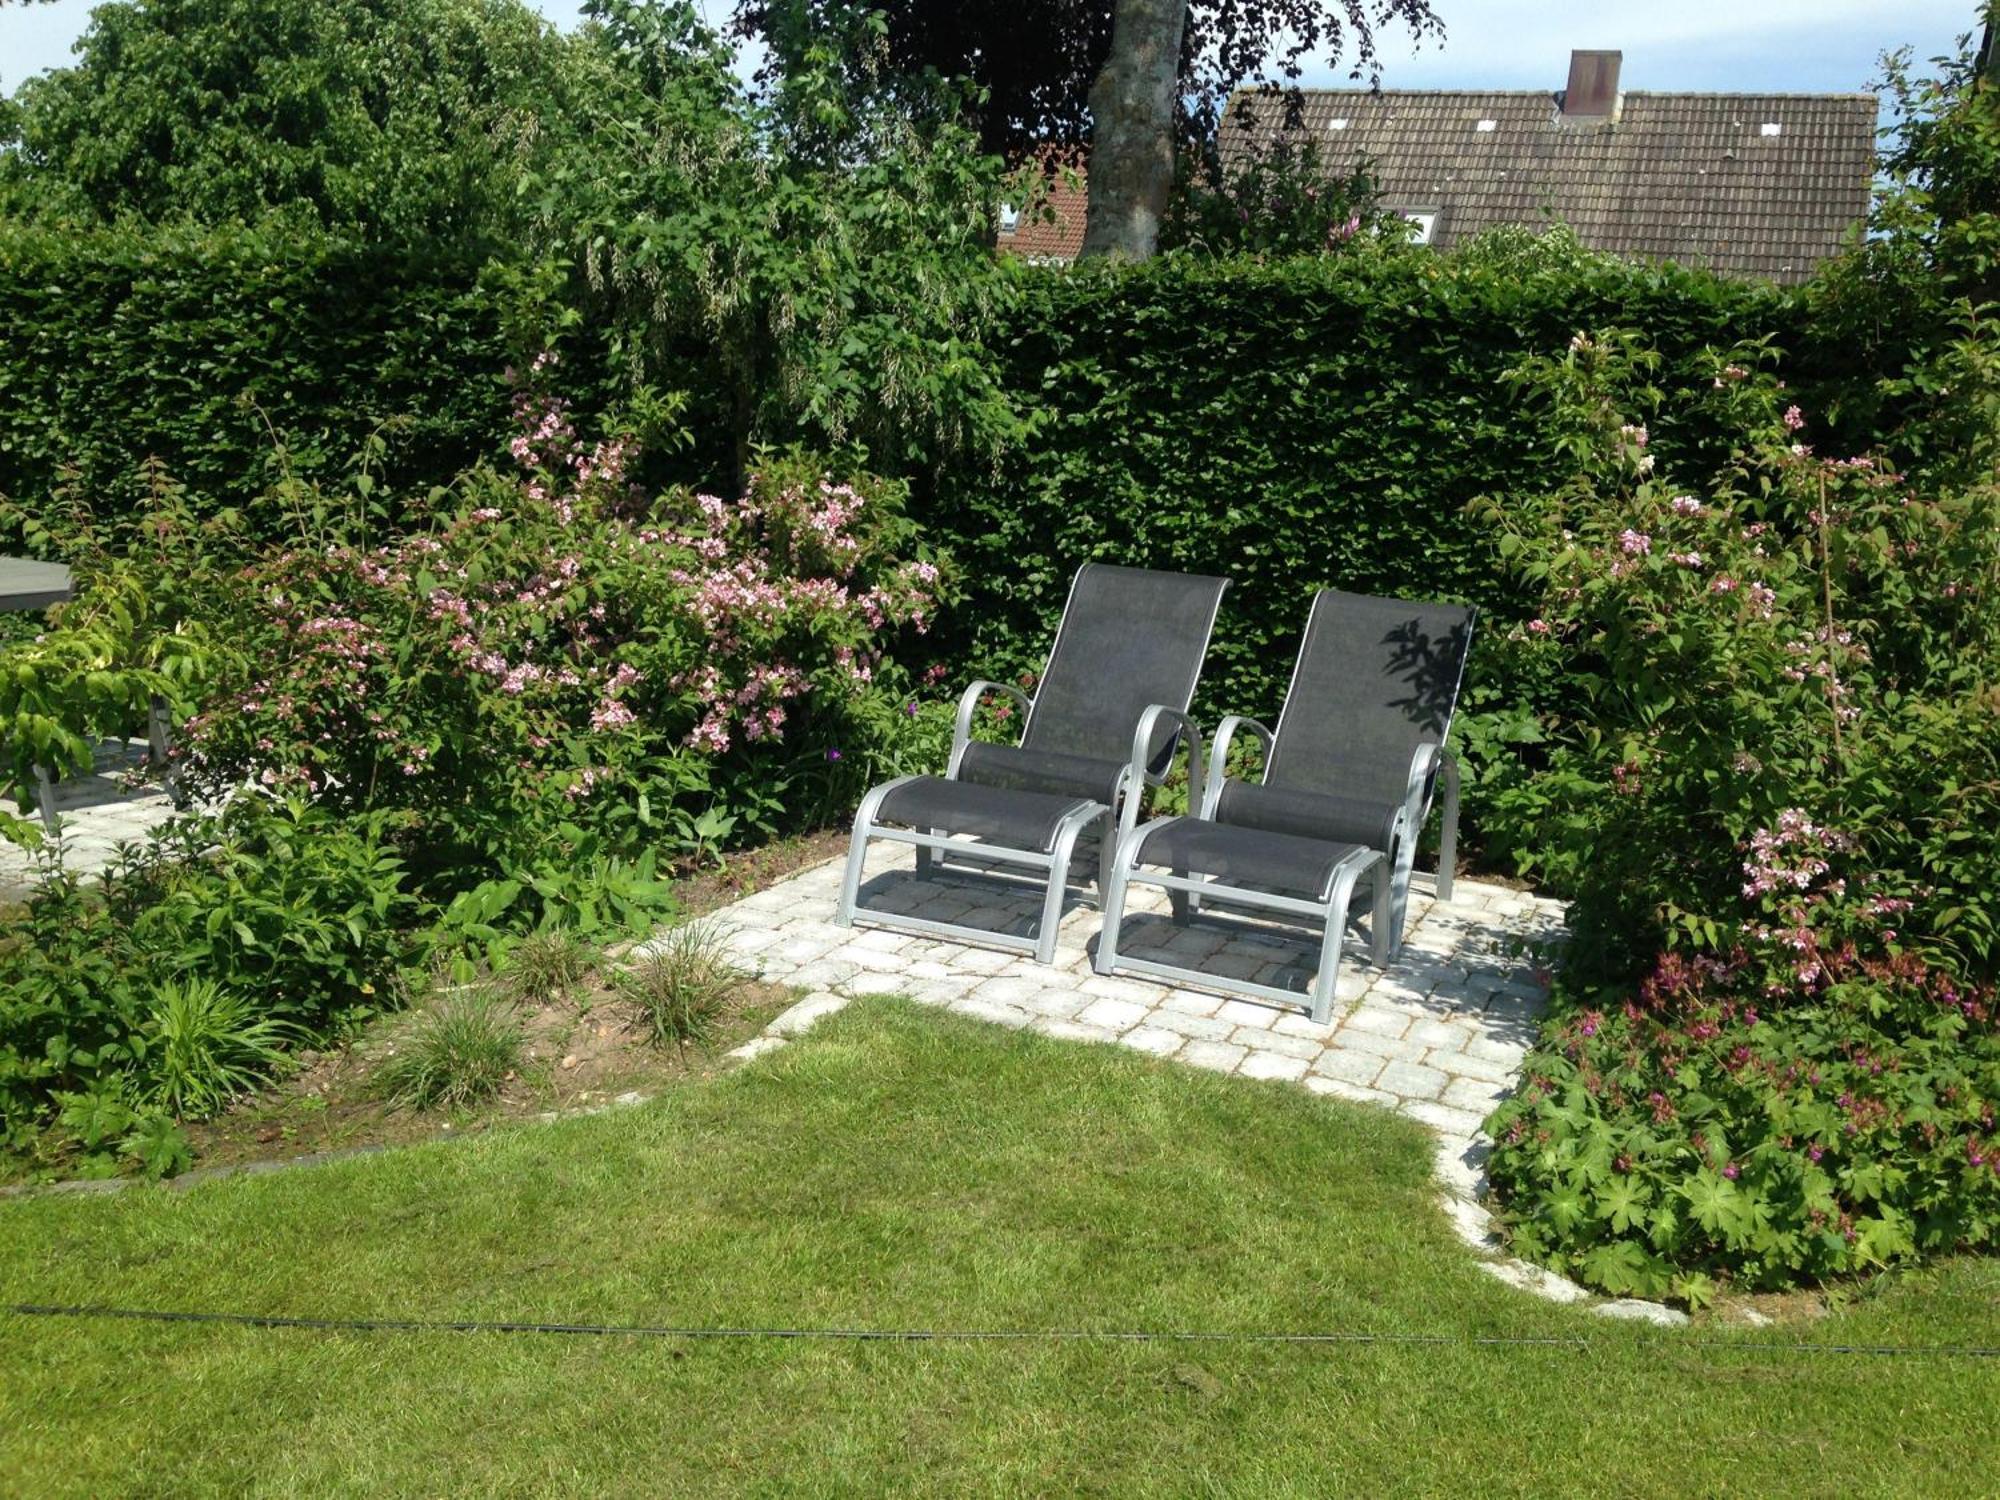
[1790, 855]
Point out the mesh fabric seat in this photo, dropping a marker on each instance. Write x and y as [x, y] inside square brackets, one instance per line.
[1349, 776]
[1243, 856]
[1021, 769]
[1021, 819]
[1110, 710]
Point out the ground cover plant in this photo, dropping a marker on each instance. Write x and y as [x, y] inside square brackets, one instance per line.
[904, 1169]
[1772, 801]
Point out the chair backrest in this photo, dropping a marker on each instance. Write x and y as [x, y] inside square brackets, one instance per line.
[1129, 638]
[1375, 679]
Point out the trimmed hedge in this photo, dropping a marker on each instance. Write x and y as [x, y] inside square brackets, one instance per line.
[181, 345]
[1294, 423]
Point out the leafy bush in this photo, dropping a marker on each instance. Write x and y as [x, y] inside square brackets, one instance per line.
[193, 346]
[387, 121]
[1808, 631]
[283, 909]
[1772, 797]
[681, 984]
[457, 1054]
[1281, 200]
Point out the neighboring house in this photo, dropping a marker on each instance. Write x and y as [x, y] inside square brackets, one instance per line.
[1053, 233]
[1764, 185]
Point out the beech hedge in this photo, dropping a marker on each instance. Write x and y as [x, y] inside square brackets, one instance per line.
[1299, 423]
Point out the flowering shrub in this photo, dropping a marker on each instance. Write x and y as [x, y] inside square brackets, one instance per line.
[1283, 200]
[1771, 798]
[559, 654]
[1801, 630]
[1813, 1100]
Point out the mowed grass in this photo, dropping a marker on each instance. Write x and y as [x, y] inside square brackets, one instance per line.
[900, 1168]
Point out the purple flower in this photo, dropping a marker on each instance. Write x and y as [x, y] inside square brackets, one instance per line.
[833, 752]
[1730, 1171]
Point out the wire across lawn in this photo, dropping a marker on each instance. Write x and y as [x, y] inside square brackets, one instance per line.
[903, 1169]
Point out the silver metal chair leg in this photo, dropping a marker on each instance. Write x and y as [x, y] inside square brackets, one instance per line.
[857, 851]
[1327, 981]
[1448, 839]
[45, 801]
[1052, 900]
[1382, 942]
[1114, 901]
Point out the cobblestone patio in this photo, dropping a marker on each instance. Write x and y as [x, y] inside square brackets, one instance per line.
[1437, 1036]
[92, 830]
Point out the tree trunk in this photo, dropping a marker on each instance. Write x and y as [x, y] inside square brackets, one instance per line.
[1132, 129]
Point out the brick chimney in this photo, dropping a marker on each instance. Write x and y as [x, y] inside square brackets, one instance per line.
[1592, 95]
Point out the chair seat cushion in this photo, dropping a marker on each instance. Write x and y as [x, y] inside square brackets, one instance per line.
[1243, 856]
[1312, 815]
[1022, 770]
[999, 815]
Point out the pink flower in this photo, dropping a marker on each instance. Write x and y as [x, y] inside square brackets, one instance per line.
[1538, 627]
[1687, 505]
[1794, 418]
[1637, 543]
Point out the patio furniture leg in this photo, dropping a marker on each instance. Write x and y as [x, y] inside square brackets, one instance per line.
[1448, 839]
[1382, 942]
[857, 850]
[45, 801]
[1052, 899]
[1114, 905]
[1326, 982]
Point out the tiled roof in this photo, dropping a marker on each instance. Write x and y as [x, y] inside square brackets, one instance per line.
[1055, 231]
[1696, 178]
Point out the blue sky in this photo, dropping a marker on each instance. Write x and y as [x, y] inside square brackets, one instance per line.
[1766, 46]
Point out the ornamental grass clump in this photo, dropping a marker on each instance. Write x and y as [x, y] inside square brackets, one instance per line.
[1770, 797]
[681, 985]
[458, 1053]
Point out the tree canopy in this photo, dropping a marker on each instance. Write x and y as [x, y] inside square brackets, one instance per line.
[386, 119]
[1035, 60]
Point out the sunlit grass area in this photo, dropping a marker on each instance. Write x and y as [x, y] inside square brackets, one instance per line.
[901, 1169]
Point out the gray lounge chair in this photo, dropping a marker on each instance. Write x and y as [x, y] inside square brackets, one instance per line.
[1349, 778]
[1104, 723]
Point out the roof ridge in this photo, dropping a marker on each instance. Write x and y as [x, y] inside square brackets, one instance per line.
[1551, 93]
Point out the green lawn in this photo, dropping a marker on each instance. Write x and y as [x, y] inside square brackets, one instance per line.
[900, 1168]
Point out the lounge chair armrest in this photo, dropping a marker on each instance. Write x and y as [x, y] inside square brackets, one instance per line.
[1218, 757]
[968, 704]
[1142, 746]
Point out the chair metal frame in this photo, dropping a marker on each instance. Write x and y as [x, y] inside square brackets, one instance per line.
[1433, 768]
[933, 850]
